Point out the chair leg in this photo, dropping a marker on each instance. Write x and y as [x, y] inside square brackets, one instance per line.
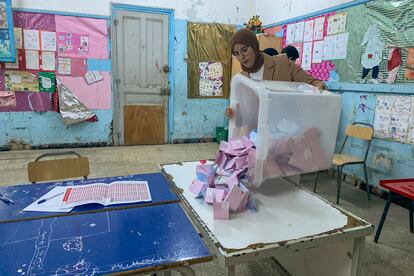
[410, 208]
[316, 182]
[384, 215]
[338, 183]
[366, 182]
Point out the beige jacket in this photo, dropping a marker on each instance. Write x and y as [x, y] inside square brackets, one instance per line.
[280, 68]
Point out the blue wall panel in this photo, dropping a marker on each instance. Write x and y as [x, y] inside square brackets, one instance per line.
[193, 118]
[48, 128]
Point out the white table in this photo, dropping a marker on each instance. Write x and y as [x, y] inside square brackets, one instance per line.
[303, 232]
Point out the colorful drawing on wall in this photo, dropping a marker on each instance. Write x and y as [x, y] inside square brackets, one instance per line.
[290, 33]
[20, 62]
[340, 46]
[32, 60]
[31, 39]
[93, 76]
[307, 56]
[308, 35]
[393, 64]
[317, 53]
[21, 81]
[393, 117]
[64, 66]
[210, 78]
[372, 55]
[7, 48]
[48, 41]
[5, 43]
[70, 43]
[319, 28]
[337, 23]
[409, 65]
[299, 31]
[48, 61]
[47, 82]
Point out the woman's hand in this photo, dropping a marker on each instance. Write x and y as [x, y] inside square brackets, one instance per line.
[229, 112]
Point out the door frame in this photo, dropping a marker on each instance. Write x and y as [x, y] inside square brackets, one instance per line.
[117, 119]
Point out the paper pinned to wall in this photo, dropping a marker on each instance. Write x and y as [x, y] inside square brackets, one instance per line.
[31, 39]
[93, 76]
[64, 66]
[32, 60]
[307, 56]
[47, 82]
[394, 118]
[48, 41]
[48, 61]
[21, 81]
[210, 78]
[337, 23]
[318, 29]
[340, 46]
[290, 33]
[308, 35]
[20, 62]
[317, 53]
[92, 36]
[328, 47]
[18, 38]
[299, 31]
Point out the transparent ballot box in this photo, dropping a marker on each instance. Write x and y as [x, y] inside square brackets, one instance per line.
[296, 125]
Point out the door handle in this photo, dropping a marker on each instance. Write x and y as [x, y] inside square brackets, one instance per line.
[166, 68]
[165, 91]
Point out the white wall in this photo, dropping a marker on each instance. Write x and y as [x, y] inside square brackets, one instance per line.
[272, 11]
[228, 11]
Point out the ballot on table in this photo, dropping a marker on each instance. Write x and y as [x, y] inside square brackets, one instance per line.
[296, 126]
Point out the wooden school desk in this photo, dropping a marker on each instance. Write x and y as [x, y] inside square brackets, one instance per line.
[92, 240]
[303, 232]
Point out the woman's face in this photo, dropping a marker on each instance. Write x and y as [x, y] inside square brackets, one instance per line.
[244, 54]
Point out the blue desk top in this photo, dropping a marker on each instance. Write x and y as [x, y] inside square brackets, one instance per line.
[23, 195]
[134, 240]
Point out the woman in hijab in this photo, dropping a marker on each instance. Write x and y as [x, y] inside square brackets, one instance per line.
[259, 66]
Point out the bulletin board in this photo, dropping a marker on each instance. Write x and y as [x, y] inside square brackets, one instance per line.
[209, 62]
[394, 118]
[50, 50]
[7, 52]
[396, 26]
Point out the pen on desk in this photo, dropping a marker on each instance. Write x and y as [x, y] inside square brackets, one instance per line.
[46, 199]
[6, 199]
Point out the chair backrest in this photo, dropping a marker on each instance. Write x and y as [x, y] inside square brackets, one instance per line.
[58, 168]
[362, 131]
[358, 131]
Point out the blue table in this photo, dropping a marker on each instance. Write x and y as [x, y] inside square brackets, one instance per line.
[129, 240]
[23, 195]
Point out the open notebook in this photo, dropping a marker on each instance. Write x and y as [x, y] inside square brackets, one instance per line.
[64, 199]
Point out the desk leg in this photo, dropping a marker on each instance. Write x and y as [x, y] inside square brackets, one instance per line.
[410, 208]
[231, 270]
[167, 273]
[384, 215]
[188, 271]
[356, 255]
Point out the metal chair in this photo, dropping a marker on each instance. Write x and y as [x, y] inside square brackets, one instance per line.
[58, 168]
[357, 130]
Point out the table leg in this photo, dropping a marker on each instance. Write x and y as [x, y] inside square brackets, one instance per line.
[410, 208]
[384, 215]
[188, 271]
[356, 255]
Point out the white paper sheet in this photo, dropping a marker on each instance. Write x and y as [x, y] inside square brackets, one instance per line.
[308, 35]
[341, 46]
[31, 40]
[290, 33]
[93, 76]
[48, 41]
[48, 61]
[307, 56]
[64, 66]
[317, 53]
[328, 47]
[18, 38]
[337, 23]
[32, 60]
[54, 204]
[299, 30]
[318, 28]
